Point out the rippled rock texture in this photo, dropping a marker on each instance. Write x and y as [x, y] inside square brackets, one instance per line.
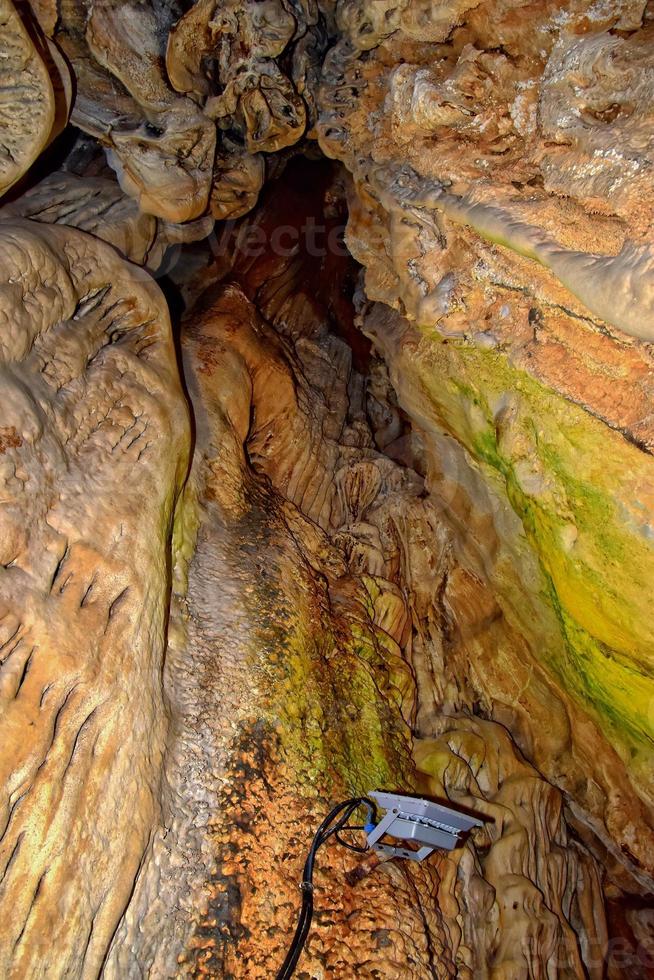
[346, 524]
[93, 449]
[310, 672]
[35, 94]
[188, 98]
[499, 206]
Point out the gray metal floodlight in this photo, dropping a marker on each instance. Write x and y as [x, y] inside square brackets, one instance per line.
[420, 821]
[407, 818]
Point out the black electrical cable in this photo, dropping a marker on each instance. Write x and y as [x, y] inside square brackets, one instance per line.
[306, 912]
[324, 832]
[351, 847]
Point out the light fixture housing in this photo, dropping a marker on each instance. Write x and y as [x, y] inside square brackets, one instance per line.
[409, 818]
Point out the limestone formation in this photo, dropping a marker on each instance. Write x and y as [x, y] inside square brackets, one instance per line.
[94, 447]
[521, 302]
[98, 205]
[618, 289]
[343, 523]
[94, 204]
[184, 98]
[358, 496]
[35, 95]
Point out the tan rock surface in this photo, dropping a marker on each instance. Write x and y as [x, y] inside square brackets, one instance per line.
[93, 448]
[327, 654]
[513, 351]
[98, 206]
[27, 98]
[93, 204]
[415, 547]
[186, 98]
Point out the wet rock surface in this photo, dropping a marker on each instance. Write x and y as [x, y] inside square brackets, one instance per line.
[517, 310]
[306, 675]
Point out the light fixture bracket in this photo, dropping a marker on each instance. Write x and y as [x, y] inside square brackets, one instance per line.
[409, 818]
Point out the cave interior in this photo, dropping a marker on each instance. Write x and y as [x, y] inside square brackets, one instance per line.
[326, 374]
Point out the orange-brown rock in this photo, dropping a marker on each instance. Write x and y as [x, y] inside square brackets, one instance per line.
[498, 206]
[274, 734]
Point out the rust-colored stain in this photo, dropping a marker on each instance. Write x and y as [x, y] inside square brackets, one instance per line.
[9, 439]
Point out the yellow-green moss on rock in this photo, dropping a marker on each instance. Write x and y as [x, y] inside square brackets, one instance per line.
[327, 696]
[583, 494]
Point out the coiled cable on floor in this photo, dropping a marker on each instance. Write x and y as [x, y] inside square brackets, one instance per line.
[330, 827]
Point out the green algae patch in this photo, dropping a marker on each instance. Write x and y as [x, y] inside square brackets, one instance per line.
[616, 691]
[186, 522]
[337, 726]
[579, 490]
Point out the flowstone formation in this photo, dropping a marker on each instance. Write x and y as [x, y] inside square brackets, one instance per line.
[314, 516]
[502, 172]
[94, 443]
[188, 99]
[308, 680]
[35, 84]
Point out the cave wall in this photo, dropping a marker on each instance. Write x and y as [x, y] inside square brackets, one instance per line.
[483, 213]
[95, 442]
[299, 683]
[337, 529]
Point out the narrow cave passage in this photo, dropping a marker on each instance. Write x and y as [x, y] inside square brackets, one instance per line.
[325, 467]
[326, 610]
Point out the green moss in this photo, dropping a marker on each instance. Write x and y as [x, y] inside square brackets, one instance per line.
[575, 486]
[337, 725]
[185, 530]
[604, 681]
